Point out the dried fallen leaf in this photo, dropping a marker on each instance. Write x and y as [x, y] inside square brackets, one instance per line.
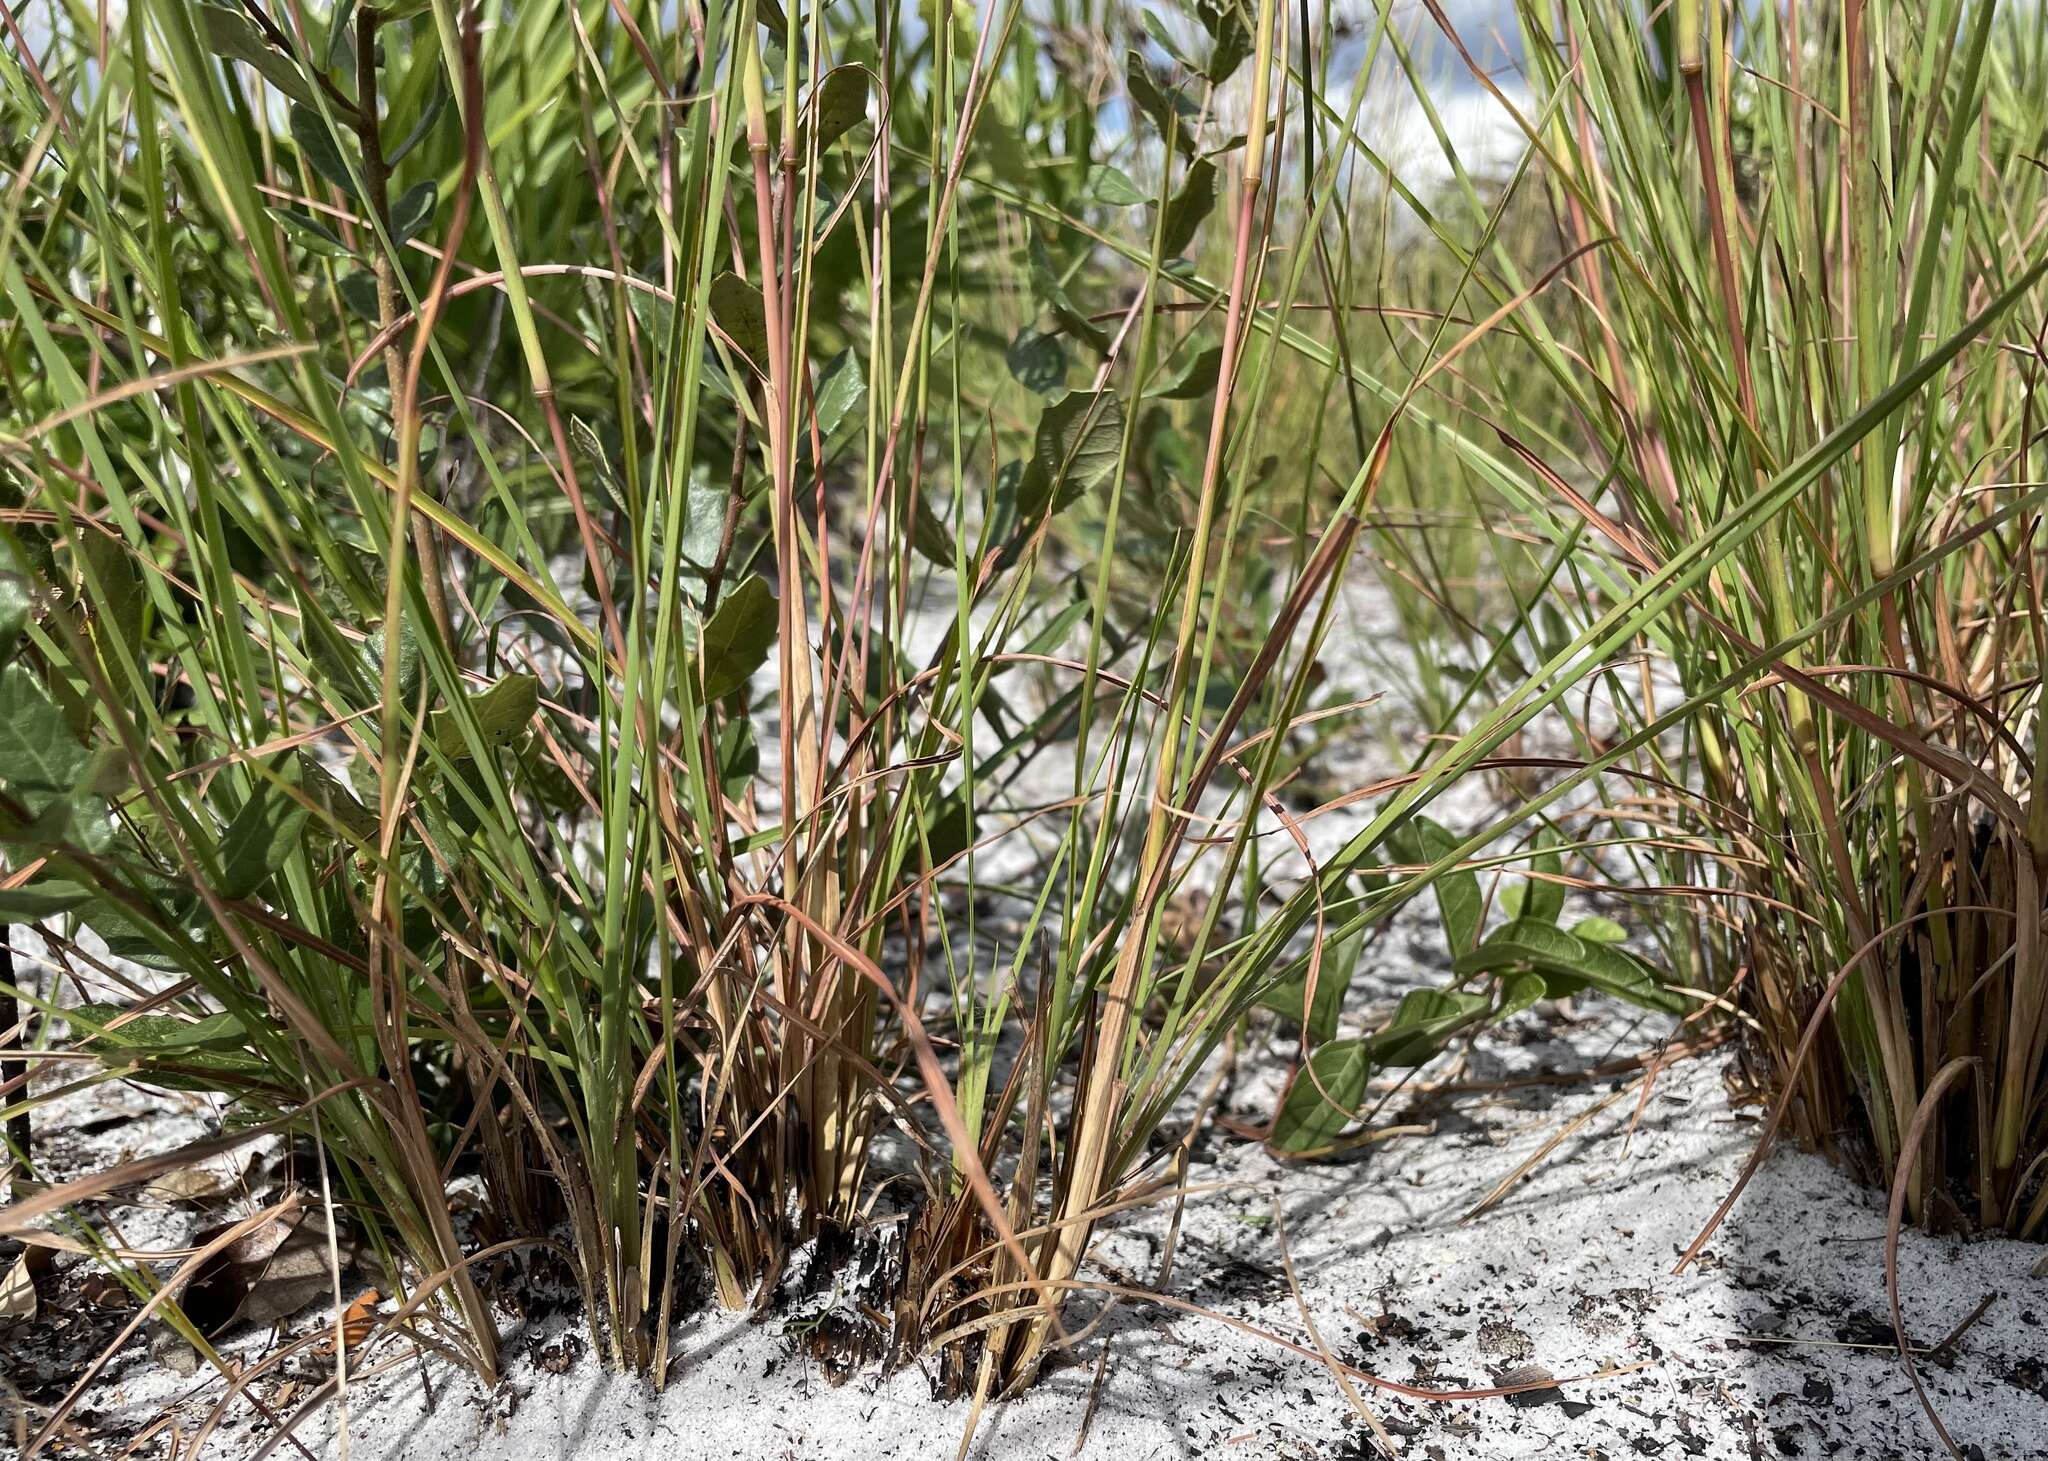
[1544, 1390]
[17, 1293]
[104, 1291]
[201, 1182]
[265, 1275]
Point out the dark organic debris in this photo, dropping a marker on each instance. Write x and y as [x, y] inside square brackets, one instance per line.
[1546, 1394]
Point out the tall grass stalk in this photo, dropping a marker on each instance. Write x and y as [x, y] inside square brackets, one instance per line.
[1855, 189]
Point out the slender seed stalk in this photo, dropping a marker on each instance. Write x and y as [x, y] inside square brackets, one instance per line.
[13, 1072]
[377, 185]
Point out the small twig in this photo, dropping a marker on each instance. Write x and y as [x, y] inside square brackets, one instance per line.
[1939, 1353]
[1556, 1139]
[1323, 1350]
[1713, 1040]
[1946, 1349]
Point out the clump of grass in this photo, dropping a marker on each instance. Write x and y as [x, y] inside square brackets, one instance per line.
[540, 565]
[1806, 319]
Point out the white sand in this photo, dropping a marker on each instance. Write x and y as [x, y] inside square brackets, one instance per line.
[1571, 1271]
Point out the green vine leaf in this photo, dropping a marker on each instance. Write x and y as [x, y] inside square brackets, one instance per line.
[233, 34]
[502, 713]
[1074, 451]
[840, 103]
[1188, 207]
[40, 759]
[262, 836]
[736, 638]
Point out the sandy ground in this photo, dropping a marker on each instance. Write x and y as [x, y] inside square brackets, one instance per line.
[1776, 1344]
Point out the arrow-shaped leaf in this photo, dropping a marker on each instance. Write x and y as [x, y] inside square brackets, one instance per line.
[232, 34]
[737, 309]
[261, 838]
[1074, 451]
[1459, 906]
[1191, 203]
[502, 713]
[736, 638]
[40, 759]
